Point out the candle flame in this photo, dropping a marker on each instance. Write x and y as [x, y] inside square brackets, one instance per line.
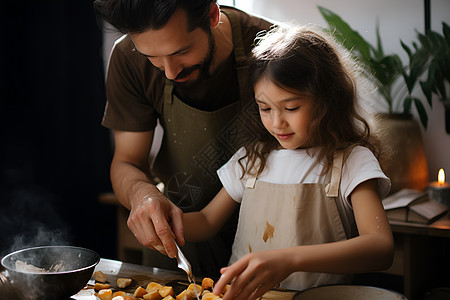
[441, 176]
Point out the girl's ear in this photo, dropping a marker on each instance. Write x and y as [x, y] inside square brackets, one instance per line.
[214, 15]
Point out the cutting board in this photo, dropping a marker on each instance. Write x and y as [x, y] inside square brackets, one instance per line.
[142, 275]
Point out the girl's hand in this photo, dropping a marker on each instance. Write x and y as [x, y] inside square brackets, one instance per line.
[253, 275]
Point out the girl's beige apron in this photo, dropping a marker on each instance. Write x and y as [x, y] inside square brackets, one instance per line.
[195, 144]
[276, 216]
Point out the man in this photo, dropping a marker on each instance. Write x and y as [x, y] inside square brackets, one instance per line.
[183, 63]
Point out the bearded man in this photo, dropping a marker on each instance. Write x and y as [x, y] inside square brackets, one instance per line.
[182, 63]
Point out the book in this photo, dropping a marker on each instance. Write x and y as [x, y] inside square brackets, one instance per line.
[408, 205]
[426, 211]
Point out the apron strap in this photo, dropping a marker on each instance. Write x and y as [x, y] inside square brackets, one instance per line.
[250, 183]
[239, 56]
[332, 189]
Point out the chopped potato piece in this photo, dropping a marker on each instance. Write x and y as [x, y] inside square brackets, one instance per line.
[195, 288]
[207, 283]
[123, 282]
[210, 296]
[122, 296]
[140, 292]
[152, 295]
[155, 290]
[185, 295]
[153, 286]
[101, 286]
[105, 294]
[100, 277]
[166, 291]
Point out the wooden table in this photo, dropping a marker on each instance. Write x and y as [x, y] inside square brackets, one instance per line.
[142, 275]
[422, 256]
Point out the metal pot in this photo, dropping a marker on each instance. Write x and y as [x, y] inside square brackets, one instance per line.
[75, 268]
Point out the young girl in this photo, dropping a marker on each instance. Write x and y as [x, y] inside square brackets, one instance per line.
[309, 187]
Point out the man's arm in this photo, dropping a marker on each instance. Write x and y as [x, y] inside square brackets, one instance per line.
[154, 219]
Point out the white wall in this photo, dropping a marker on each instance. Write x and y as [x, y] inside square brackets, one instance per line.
[398, 19]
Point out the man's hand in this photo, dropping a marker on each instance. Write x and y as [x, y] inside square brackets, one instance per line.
[156, 223]
[154, 219]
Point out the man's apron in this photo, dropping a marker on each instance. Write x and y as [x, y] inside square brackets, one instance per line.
[195, 144]
[277, 216]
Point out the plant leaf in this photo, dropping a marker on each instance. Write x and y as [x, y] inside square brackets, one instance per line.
[425, 85]
[446, 31]
[409, 80]
[350, 38]
[407, 104]
[406, 48]
[440, 84]
[387, 69]
[422, 112]
[379, 51]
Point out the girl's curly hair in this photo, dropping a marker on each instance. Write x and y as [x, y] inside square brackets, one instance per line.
[308, 60]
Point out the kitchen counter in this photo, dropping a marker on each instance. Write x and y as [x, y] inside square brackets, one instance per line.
[142, 275]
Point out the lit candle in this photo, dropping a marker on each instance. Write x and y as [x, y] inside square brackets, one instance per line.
[440, 190]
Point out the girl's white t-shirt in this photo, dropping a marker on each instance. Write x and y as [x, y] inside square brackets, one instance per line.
[288, 166]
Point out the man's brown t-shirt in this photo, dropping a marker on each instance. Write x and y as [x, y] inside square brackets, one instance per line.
[135, 88]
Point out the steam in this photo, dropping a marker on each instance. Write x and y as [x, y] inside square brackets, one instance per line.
[33, 234]
[40, 236]
[28, 218]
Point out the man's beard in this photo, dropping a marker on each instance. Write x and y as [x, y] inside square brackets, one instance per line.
[203, 67]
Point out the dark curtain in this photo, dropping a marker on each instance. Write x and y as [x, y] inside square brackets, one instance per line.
[55, 155]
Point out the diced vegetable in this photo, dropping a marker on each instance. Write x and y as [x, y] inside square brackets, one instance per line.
[100, 277]
[101, 286]
[123, 282]
[140, 292]
[105, 294]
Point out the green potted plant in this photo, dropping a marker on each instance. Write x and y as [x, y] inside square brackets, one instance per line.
[385, 70]
[395, 84]
[436, 47]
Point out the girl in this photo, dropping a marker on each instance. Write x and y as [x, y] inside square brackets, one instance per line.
[309, 187]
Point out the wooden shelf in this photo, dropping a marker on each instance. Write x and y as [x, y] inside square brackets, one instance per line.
[128, 248]
[419, 256]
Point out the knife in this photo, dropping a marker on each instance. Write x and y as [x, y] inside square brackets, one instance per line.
[184, 264]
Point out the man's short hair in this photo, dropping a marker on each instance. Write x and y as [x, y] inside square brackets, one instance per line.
[136, 16]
